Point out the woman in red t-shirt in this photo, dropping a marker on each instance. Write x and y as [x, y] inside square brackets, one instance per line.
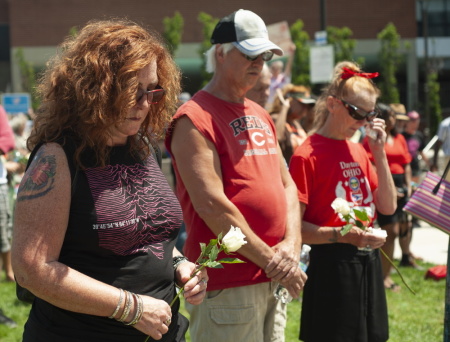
[396, 224]
[344, 291]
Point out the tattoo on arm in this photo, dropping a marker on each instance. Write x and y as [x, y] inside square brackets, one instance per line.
[39, 178]
[335, 236]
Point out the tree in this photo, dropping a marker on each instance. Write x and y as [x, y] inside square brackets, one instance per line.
[389, 59]
[209, 23]
[344, 46]
[434, 99]
[300, 67]
[173, 31]
[28, 77]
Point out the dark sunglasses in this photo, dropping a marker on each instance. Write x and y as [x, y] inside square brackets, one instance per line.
[266, 56]
[153, 96]
[358, 113]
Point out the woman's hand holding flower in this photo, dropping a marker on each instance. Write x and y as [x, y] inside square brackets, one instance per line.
[366, 238]
[363, 238]
[195, 287]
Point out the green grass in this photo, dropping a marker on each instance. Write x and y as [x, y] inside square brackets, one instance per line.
[412, 318]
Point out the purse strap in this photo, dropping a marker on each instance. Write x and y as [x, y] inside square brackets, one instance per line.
[444, 175]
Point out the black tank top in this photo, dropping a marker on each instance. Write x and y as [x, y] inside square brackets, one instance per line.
[123, 223]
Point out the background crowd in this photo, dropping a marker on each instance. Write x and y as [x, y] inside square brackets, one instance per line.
[250, 150]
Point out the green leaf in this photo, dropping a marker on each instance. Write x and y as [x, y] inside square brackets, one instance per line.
[230, 261]
[361, 214]
[219, 237]
[213, 254]
[202, 247]
[359, 224]
[213, 264]
[346, 229]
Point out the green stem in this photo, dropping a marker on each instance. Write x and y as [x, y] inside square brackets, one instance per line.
[398, 271]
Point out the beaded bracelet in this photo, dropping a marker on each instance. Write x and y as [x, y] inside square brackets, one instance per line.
[139, 311]
[118, 305]
[126, 311]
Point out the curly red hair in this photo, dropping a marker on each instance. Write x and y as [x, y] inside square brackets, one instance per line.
[92, 83]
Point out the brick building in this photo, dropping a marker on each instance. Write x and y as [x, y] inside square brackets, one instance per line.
[38, 26]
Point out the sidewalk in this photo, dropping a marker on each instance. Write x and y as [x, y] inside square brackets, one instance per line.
[429, 243]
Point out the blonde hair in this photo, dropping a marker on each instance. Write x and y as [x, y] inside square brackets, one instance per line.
[339, 87]
[92, 83]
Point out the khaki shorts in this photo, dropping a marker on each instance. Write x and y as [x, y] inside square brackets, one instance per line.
[248, 313]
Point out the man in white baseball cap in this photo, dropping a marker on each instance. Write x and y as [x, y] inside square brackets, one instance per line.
[230, 172]
[246, 31]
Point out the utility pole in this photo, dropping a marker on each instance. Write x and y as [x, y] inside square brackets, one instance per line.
[424, 11]
[323, 15]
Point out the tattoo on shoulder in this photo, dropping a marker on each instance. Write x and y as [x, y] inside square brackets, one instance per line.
[39, 178]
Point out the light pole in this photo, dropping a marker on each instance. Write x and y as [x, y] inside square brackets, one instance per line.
[424, 12]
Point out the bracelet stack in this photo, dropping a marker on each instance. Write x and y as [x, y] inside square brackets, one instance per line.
[139, 311]
[129, 298]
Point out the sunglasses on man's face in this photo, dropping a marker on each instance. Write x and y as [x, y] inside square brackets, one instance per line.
[153, 96]
[266, 56]
[358, 113]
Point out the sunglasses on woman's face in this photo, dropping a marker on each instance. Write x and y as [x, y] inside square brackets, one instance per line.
[152, 96]
[358, 113]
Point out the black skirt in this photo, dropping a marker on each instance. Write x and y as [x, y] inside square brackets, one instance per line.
[344, 298]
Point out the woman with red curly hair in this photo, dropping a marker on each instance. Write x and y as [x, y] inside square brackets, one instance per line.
[96, 222]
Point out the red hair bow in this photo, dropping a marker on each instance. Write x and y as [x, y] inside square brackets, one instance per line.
[347, 73]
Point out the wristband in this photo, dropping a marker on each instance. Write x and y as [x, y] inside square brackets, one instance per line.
[176, 261]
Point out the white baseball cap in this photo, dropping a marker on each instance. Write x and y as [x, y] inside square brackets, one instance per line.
[246, 31]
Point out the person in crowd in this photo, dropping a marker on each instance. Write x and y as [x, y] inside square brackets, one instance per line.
[7, 144]
[416, 143]
[230, 172]
[260, 91]
[293, 103]
[399, 223]
[400, 116]
[96, 221]
[344, 298]
[17, 159]
[281, 75]
[443, 142]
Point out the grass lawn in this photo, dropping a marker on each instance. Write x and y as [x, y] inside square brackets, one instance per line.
[412, 318]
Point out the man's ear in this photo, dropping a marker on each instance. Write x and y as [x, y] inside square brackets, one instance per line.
[219, 53]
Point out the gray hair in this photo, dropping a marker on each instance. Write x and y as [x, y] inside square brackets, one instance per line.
[18, 122]
[211, 58]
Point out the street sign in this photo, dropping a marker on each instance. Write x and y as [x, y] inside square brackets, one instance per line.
[320, 37]
[321, 63]
[16, 102]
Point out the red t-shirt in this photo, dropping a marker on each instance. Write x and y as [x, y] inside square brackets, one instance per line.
[325, 169]
[397, 154]
[243, 135]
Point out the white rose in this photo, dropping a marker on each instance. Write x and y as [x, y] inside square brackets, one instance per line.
[341, 206]
[233, 240]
